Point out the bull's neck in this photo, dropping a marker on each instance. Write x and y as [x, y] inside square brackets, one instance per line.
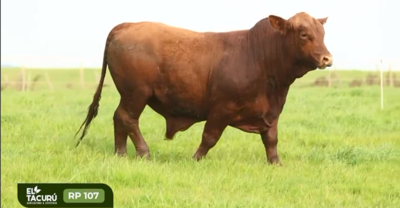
[274, 56]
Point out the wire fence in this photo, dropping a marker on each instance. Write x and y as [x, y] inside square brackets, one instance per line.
[34, 80]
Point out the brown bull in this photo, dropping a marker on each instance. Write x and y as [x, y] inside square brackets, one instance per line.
[238, 79]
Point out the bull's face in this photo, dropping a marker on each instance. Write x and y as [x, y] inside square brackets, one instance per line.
[306, 35]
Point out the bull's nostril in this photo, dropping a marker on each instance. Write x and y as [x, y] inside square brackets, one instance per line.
[325, 59]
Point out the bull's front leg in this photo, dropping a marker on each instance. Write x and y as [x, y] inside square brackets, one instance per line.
[270, 140]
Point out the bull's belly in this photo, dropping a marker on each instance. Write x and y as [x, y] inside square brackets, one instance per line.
[255, 125]
[178, 104]
[185, 113]
[254, 119]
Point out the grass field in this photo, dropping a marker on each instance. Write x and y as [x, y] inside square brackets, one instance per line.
[337, 147]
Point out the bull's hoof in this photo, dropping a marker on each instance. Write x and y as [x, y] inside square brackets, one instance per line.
[197, 157]
[169, 139]
[274, 161]
[143, 155]
[120, 153]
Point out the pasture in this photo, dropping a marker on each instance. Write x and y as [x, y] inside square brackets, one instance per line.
[338, 148]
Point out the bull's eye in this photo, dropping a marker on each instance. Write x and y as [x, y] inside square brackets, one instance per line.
[304, 35]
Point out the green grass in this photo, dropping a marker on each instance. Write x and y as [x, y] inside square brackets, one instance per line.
[337, 147]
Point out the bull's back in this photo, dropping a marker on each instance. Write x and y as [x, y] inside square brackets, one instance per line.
[175, 63]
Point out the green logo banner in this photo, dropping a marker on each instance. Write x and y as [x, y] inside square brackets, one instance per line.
[65, 195]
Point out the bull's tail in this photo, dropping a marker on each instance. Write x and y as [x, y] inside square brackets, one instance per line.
[94, 106]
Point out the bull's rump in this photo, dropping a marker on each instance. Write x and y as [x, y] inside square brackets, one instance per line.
[174, 64]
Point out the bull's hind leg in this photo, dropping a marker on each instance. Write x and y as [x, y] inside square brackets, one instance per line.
[126, 122]
[120, 133]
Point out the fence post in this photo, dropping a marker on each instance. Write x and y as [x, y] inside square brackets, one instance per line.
[28, 83]
[82, 77]
[48, 81]
[6, 80]
[329, 78]
[390, 75]
[97, 77]
[23, 78]
[381, 78]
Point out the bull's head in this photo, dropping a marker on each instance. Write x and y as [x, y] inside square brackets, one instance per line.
[306, 34]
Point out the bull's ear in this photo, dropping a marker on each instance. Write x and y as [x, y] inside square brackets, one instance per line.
[277, 22]
[322, 20]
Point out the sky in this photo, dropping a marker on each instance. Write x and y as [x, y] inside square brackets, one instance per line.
[49, 33]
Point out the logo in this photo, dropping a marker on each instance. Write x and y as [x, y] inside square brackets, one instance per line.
[65, 195]
[34, 197]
